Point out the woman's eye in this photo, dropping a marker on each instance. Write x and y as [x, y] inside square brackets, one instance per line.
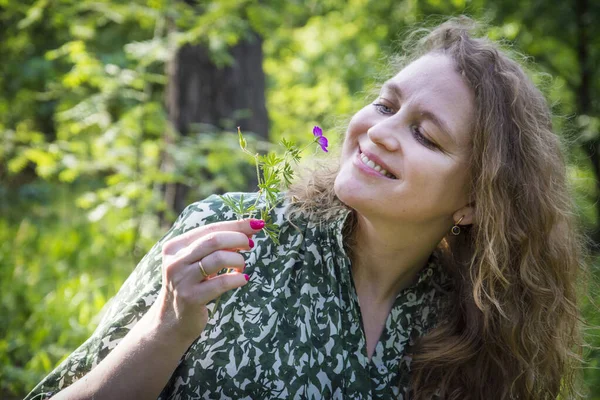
[383, 109]
[422, 138]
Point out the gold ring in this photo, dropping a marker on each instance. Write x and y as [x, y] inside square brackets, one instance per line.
[202, 271]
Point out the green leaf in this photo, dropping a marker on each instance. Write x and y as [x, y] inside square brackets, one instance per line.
[271, 159]
[230, 202]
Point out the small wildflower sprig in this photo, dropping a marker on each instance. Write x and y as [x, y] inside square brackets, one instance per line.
[277, 173]
[273, 173]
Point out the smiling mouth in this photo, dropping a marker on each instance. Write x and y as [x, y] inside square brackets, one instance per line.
[375, 167]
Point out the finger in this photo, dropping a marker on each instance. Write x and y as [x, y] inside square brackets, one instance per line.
[216, 241]
[216, 261]
[246, 226]
[212, 288]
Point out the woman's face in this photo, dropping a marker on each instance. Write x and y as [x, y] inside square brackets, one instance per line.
[417, 133]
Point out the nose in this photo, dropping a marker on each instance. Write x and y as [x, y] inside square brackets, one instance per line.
[384, 134]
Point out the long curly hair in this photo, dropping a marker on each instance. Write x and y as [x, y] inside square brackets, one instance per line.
[512, 329]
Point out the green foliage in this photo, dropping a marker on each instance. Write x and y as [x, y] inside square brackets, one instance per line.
[57, 270]
[82, 87]
[590, 310]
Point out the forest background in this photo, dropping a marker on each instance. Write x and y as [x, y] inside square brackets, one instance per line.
[116, 114]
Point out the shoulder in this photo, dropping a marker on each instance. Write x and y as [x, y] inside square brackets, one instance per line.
[213, 209]
[216, 208]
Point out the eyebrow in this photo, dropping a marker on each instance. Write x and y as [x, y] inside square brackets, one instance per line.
[440, 123]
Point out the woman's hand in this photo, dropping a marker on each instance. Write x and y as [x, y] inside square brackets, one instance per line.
[180, 308]
[176, 318]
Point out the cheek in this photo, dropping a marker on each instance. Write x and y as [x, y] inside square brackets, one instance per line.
[453, 188]
[359, 123]
[351, 138]
[440, 180]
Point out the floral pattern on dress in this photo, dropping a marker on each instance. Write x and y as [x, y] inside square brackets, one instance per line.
[294, 331]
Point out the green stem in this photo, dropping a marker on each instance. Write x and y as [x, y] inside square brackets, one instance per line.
[256, 162]
[310, 144]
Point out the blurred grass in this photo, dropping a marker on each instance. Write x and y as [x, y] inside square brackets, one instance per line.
[58, 269]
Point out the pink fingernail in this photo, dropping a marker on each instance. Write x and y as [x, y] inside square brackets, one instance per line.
[247, 277]
[251, 243]
[257, 224]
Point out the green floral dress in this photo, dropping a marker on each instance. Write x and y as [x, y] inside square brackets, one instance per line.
[294, 331]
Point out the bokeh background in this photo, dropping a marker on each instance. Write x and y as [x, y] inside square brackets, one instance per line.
[116, 114]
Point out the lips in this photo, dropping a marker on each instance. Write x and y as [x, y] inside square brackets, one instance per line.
[373, 162]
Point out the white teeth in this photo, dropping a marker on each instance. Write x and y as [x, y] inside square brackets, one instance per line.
[376, 167]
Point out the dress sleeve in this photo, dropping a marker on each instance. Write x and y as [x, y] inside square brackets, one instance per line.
[127, 307]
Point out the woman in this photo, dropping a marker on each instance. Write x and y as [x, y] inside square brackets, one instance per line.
[438, 259]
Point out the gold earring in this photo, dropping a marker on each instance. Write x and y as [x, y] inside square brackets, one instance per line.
[456, 229]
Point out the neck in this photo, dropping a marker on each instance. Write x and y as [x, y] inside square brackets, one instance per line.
[388, 259]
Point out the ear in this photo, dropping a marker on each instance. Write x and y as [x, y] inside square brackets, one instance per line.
[468, 212]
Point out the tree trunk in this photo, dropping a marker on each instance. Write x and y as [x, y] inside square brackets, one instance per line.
[200, 92]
